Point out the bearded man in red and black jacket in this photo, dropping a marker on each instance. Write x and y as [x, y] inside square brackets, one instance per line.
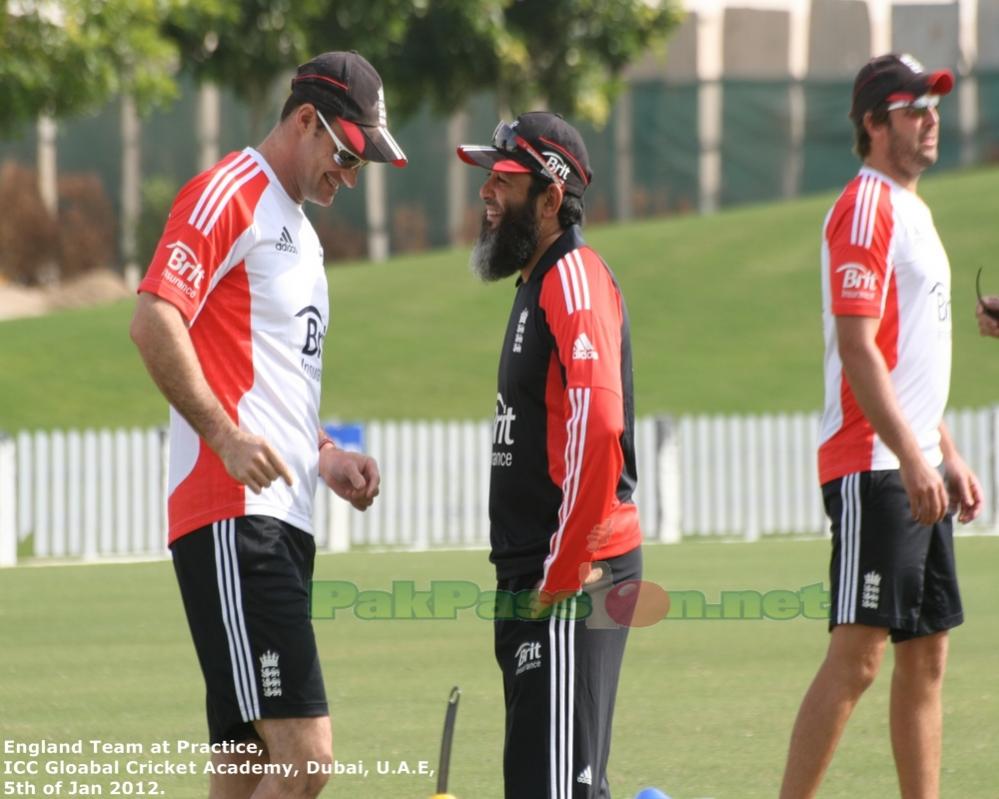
[563, 526]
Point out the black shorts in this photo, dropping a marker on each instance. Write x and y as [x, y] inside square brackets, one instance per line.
[888, 570]
[245, 584]
[560, 678]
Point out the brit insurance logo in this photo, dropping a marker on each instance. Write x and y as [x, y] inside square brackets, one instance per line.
[183, 269]
[528, 656]
[556, 164]
[942, 295]
[312, 349]
[859, 282]
[503, 432]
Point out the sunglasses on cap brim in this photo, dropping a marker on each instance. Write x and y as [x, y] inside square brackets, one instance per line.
[920, 105]
[343, 156]
[506, 138]
[990, 312]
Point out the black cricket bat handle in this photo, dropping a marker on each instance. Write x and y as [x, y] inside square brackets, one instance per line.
[446, 738]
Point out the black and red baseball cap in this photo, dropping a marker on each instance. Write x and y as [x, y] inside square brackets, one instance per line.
[895, 77]
[358, 87]
[537, 142]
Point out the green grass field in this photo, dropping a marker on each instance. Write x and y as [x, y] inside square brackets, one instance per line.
[724, 309]
[704, 710]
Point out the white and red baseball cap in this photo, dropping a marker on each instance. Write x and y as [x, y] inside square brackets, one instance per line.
[358, 87]
[549, 147]
[895, 77]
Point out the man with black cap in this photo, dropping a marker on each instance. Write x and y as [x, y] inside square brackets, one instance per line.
[563, 526]
[891, 476]
[230, 322]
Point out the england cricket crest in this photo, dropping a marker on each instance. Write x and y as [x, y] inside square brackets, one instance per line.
[270, 674]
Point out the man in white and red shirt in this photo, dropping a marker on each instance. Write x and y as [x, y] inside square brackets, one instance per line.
[890, 474]
[230, 321]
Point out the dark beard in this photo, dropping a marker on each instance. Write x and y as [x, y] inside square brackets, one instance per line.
[501, 251]
[908, 159]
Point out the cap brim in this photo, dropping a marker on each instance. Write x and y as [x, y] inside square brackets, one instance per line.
[381, 146]
[490, 158]
[940, 82]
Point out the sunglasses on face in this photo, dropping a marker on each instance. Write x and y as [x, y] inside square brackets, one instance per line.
[344, 156]
[991, 312]
[506, 138]
[919, 107]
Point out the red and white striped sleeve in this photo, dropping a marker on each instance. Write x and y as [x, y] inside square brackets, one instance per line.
[582, 307]
[858, 235]
[208, 215]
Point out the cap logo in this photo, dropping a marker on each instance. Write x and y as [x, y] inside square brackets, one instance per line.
[382, 117]
[911, 63]
[556, 164]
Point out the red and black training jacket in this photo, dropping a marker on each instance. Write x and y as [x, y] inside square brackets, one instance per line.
[563, 457]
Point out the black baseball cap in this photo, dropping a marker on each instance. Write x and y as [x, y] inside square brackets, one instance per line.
[358, 87]
[559, 153]
[895, 77]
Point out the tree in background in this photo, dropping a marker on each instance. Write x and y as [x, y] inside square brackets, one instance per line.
[65, 58]
[441, 52]
[438, 52]
[62, 58]
[572, 52]
[566, 53]
[243, 45]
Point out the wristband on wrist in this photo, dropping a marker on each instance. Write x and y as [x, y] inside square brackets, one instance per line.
[324, 441]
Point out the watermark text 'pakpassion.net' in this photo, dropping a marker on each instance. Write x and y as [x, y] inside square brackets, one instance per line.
[634, 603]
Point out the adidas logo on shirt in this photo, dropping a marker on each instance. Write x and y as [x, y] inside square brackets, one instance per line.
[583, 349]
[286, 244]
[585, 776]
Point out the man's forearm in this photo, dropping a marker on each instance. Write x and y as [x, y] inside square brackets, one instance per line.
[947, 445]
[164, 343]
[868, 375]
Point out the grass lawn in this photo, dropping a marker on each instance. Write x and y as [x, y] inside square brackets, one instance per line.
[724, 309]
[704, 709]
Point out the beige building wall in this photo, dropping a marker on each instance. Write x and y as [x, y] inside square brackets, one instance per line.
[839, 38]
[929, 32]
[756, 43]
[987, 40]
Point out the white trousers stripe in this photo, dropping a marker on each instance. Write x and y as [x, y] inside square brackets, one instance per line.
[849, 555]
[571, 692]
[844, 526]
[552, 715]
[561, 700]
[855, 566]
[231, 600]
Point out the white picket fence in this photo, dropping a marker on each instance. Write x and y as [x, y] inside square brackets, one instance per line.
[748, 476]
[101, 493]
